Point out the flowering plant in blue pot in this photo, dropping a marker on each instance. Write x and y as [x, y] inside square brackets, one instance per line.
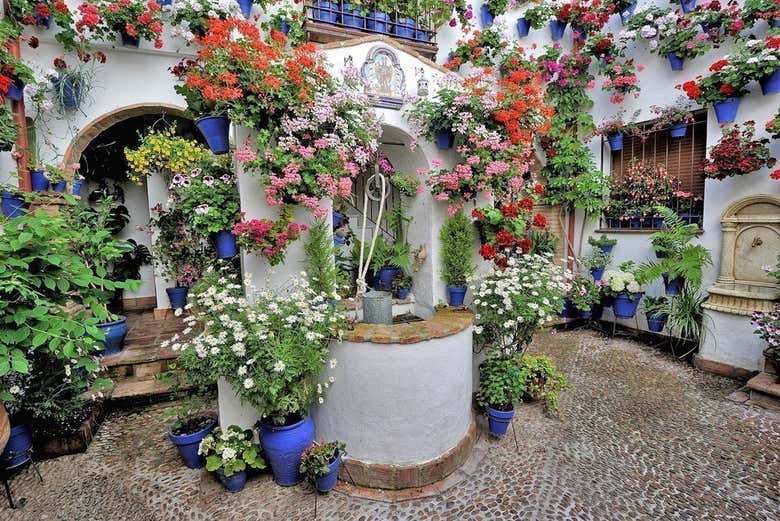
[320, 464]
[229, 453]
[502, 383]
[623, 285]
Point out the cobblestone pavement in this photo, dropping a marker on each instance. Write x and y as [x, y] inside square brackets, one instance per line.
[642, 436]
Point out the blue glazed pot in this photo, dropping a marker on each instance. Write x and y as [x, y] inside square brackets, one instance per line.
[377, 21]
[624, 306]
[776, 22]
[114, 335]
[350, 17]
[284, 27]
[225, 244]
[615, 142]
[607, 249]
[456, 295]
[597, 273]
[59, 187]
[405, 28]
[39, 181]
[585, 314]
[17, 451]
[43, 21]
[486, 16]
[16, 90]
[675, 61]
[445, 140]
[246, 7]
[233, 483]
[177, 297]
[129, 41]
[656, 321]
[726, 110]
[569, 311]
[325, 11]
[770, 84]
[499, 421]
[77, 186]
[687, 5]
[188, 444]
[384, 282]
[403, 293]
[627, 13]
[216, 131]
[283, 446]
[13, 206]
[607, 301]
[557, 29]
[673, 286]
[68, 92]
[328, 482]
[596, 311]
[523, 27]
[678, 130]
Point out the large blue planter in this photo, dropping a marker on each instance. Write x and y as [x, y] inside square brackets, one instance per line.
[405, 28]
[615, 142]
[17, 451]
[726, 110]
[675, 61]
[384, 282]
[377, 21]
[13, 205]
[225, 244]
[69, 92]
[569, 310]
[627, 13]
[678, 130]
[325, 11]
[656, 321]
[597, 273]
[350, 17]
[283, 446]
[770, 84]
[687, 5]
[456, 295]
[606, 249]
[673, 286]
[445, 140]
[16, 90]
[486, 16]
[246, 7]
[328, 482]
[557, 29]
[39, 181]
[233, 483]
[188, 444]
[177, 296]
[624, 306]
[523, 27]
[498, 421]
[216, 131]
[114, 335]
[59, 187]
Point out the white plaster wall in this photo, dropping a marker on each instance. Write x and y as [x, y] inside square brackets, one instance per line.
[725, 340]
[399, 404]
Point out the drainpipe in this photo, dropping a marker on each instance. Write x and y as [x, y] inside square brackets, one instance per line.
[17, 107]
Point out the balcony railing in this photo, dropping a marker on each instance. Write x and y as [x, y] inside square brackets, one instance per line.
[334, 21]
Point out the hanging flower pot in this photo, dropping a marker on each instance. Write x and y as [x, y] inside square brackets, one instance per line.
[625, 304]
[43, 21]
[324, 11]
[627, 13]
[557, 29]
[246, 7]
[770, 84]
[189, 443]
[456, 295]
[687, 5]
[405, 28]
[498, 420]
[377, 21]
[726, 110]
[77, 186]
[177, 296]
[40, 183]
[129, 41]
[523, 27]
[675, 61]
[673, 286]
[233, 483]
[486, 16]
[225, 244]
[350, 17]
[615, 142]
[216, 131]
[15, 90]
[597, 273]
[113, 335]
[445, 140]
[327, 482]
[69, 91]
[678, 130]
[656, 321]
[13, 205]
[17, 450]
[283, 446]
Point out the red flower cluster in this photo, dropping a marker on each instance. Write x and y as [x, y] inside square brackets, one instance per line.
[737, 153]
[540, 221]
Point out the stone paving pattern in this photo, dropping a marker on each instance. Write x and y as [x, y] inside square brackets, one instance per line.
[642, 436]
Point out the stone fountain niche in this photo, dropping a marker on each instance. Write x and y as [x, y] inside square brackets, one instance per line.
[751, 241]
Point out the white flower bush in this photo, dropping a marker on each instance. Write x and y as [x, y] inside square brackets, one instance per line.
[621, 280]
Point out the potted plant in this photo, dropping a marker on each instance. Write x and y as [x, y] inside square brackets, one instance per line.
[269, 238]
[388, 260]
[289, 19]
[61, 174]
[679, 39]
[625, 8]
[767, 326]
[621, 79]
[595, 262]
[686, 315]
[561, 15]
[320, 464]
[492, 8]
[15, 202]
[604, 243]
[758, 59]
[457, 240]
[583, 295]
[639, 191]
[654, 311]
[622, 285]
[614, 128]
[190, 19]
[688, 206]
[711, 16]
[132, 20]
[722, 89]
[539, 14]
[675, 117]
[434, 116]
[754, 10]
[229, 453]
[71, 83]
[502, 383]
[480, 49]
[402, 283]
[165, 152]
[737, 153]
[586, 17]
[544, 381]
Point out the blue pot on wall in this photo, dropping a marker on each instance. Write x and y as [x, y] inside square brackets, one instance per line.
[233, 483]
[177, 297]
[15, 90]
[377, 21]
[113, 335]
[384, 281]
[69, 91]
[498, 421]
[687, 5]
[673, 286]
[328, 482]
[605, 248]
[627, 13]
[225, 244]
[325, 11]
[405, 28]
[486, 16]
[350, 17]
[76, 190]
[726, 110]
[445, 140]
[770, 84]
[557, 29]
[216, 131]
[625, 305]
[59, 187]
[17, 450]
[675, 61]
[523, 27]
[13, 205]
[283, 446]
[456, 295]
[39, 181]
[284, 27]
[246, 7]
[656, 321]
[615, 142]
[678, 130]
[188, 444]
[597, 273]
[129, 41]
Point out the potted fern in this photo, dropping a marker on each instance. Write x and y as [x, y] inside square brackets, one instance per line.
[457, 243]
[655, 312]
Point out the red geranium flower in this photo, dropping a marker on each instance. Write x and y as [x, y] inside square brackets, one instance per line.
[524, 244]
[727, 89]
[505, 238]
[476, 213]
[718, 65]
[487, 251]
[510, 211]
[526, 204]
[540, 221]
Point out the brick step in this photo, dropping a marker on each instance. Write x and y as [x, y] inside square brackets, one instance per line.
[765, 391]
[132, 391]
[147, 361]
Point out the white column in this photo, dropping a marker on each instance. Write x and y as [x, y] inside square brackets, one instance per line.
[157, 191]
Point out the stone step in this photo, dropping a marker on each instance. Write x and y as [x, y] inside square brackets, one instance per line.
[134, 390]
[765, 391]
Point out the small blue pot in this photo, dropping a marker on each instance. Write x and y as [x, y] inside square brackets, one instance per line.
[233, 483]
[624, 307]
[405, 28]
[656, 321]
[324, 11]
[456, 295]
[585, 314]
[216, 131]
[557, 29]
[673, 286]
[775, 22]
[607, 249]
[627, 13]
[177, 297]
[350, 17]
[114, 335]
[284, 27]
[726, 110]
[675, 61]
[328, 482]
[403, 293]
[129, 41]
[687, 5]
[68, 92]
[59, 187]
[17, 451]
[770, 84]
[597, 273]
[596, 311]
[486, 16]
[498, 421]
[445, 140]
[678, 130]
[188, 444]
[636, 222]
[39, 181]
[384, 282]
[77, 186]
[246, 7]
[16, 90]
[523, 27]
[13, 205]
[43, 21]
[283, 446]
[377, 21]
[225, 244]
[569, 311]
[615, 142]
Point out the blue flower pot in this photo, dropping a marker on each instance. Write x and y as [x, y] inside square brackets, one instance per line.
[456, 295]
[16, 90]
[614, 222]
[656, 321]
[13, 206]
[422, 35]
[615, 142]
[675, 61]
[59, 187]
[498, 421]
[405, 28]
[569, 311]
[216, 131]
[636, 222]
[350, 17]
[445, 140]
[69, 93]
[596, 311]
[726, 110]
[557, 29]
[129, 41]
[324, 11]
[225, 244]
[188, 444]
[177, 297]
[17, 451]
[284, 27]
[113, 335]
[328, 482]
[403, 293]
[624, 306]
[377, 21]
[597, 273]
[690, 218]
[607, 301]
[627, 13]
[673, 286]
[607, 249]
[523, 27]
[246, 7]
[486, 16]
[233, 483]
[384, 282]
[770, 84]
[687, 5]
[283, 446]
[164, 2]
[775, 22]
[43, 21]
[585, 314]
[77, 186]
[678, 130]
[40, 183]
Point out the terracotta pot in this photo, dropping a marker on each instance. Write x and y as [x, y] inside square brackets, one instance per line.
[5, 427]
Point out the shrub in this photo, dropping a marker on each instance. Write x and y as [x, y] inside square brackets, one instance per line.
[457, 239]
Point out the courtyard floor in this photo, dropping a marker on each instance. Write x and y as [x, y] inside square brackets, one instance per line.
[641, 436]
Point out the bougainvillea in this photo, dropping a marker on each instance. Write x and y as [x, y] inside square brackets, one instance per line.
[737, 153]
